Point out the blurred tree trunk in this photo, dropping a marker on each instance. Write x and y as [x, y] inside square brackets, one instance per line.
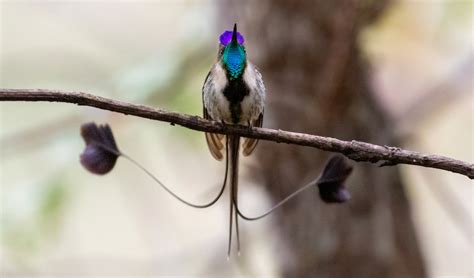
[317, 83]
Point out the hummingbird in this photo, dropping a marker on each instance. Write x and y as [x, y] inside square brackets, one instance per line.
[233, 93]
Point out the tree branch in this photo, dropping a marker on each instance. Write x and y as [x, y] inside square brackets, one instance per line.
[355, 150]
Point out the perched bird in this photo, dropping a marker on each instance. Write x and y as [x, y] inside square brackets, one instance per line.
[233, 93]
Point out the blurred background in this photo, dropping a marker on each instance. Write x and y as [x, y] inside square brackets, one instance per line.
[387, 72]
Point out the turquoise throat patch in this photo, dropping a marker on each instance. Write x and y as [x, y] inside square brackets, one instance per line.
[234, 60]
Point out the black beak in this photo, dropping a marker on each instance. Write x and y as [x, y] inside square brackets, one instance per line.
[234, 35]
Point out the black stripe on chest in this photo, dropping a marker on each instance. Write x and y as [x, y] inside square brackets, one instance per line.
[235, 91]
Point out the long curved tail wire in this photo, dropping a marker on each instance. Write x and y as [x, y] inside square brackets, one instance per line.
[279, 204]
[233, 193]
[163, 186]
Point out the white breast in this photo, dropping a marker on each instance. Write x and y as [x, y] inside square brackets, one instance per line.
[214, 100]
[252, 105]
[217, 104]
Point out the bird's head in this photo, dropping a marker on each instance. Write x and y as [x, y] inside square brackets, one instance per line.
[232, 53]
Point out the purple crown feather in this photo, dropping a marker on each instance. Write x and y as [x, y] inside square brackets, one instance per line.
[226, 37]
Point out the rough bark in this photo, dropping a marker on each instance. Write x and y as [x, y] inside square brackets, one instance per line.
[317, 83]
[355, 150]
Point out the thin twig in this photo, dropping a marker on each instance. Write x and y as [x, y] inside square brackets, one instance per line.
[355, 150]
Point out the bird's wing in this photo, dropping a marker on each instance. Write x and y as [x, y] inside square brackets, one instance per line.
[249, 144]
[214, 141]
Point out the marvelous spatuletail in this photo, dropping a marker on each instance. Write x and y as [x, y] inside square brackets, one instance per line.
[233, 93]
